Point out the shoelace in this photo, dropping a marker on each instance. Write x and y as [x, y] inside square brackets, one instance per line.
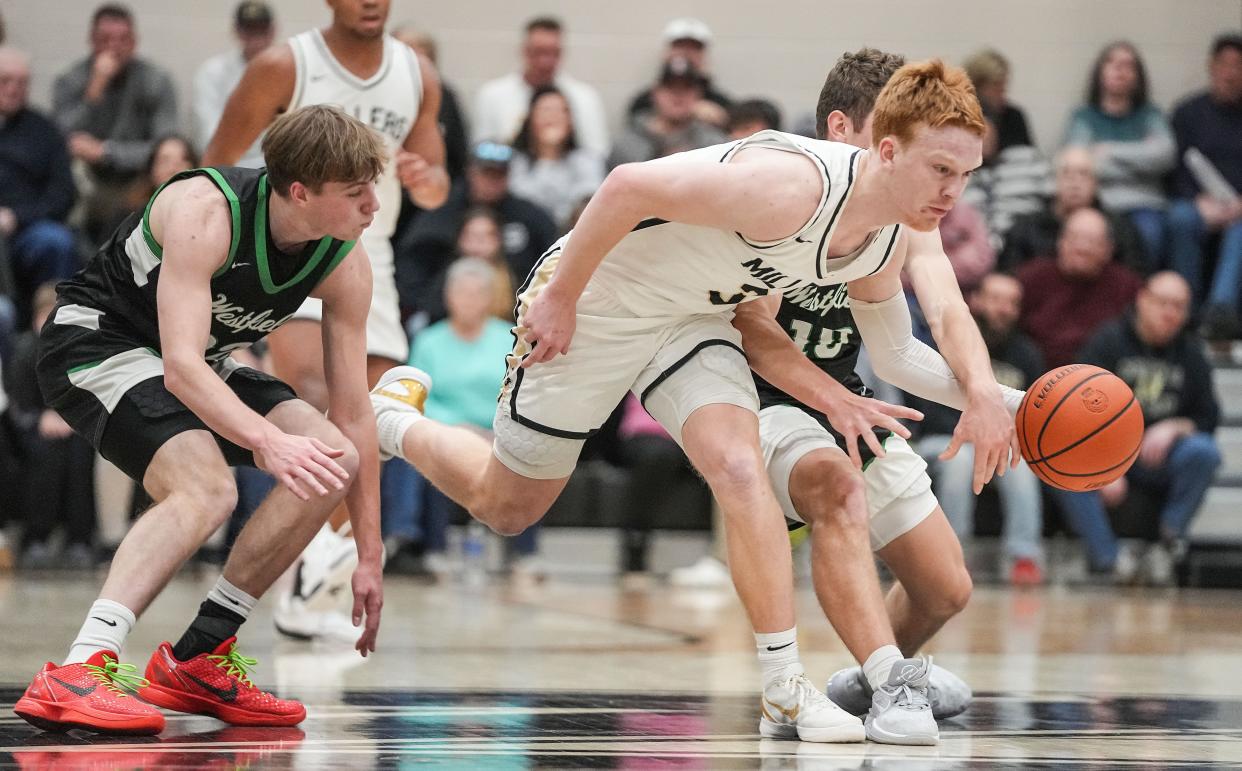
[807, 692]
[235, 664]
[116, 677]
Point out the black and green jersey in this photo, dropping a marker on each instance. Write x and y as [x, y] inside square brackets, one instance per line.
[256, 290]
[819, 320]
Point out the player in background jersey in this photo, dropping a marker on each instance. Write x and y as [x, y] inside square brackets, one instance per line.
[135, 356]
[351, 63]
[639, 297]
[857, 502]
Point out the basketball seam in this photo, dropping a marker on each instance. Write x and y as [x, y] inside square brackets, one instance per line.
[1098, 429]
[1039, 440]
[1128, 459]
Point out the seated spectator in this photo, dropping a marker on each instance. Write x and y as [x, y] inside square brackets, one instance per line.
[36, 189]
[671, 126]
[967, 245]
[996, 304]
[1010, 184]
[215, 79]
[1211, 122]
[113, 106]
[58, 465]
[988, 70]
[465, 357]
[1067, 297]
[430, 245]
[1164, 364]
[548, 167]
[1130, 141]
[480, 238]
[752, 116]
[688, 39]
[170, 155]
[503, 103]
[1035, 235]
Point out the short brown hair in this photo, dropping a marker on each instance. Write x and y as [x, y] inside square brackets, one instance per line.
[318, 144]
[926, 93]
[853, 84]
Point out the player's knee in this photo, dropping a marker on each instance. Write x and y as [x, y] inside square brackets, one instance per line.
[349, 459]
[955, 597]
[733, 469]
[215, 496]
[502, 518]
[834, 499]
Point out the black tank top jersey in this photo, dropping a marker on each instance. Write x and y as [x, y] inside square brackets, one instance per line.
[256, 289]
[818, 319]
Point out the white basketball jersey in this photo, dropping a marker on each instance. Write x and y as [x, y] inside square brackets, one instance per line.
[672, 269]
[388, 102]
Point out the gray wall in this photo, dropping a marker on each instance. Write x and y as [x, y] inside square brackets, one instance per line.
[782, 53]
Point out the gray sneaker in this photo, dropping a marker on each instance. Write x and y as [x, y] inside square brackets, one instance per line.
[950, 696]
[900, 710]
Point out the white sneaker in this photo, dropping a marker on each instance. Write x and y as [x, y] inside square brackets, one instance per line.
[949, 694]
[900, 709]
[791, 707]
[1158, 565]
[707, 573]
[323, 574]
[1126, 568]
[400, 394]
[294, 619]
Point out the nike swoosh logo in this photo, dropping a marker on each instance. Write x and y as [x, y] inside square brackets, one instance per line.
[779, 647]
[803, 240]
[106, 621]
[230, 695]
[230, 599]
[792, 713]
[78, 689]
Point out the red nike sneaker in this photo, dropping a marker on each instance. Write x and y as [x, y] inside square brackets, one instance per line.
[216, 684]
[92, 696]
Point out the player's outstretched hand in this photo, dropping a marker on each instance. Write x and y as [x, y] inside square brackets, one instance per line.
[368, 586]
[989, 427]
[855, 416]
[548, 326]
[303, 464]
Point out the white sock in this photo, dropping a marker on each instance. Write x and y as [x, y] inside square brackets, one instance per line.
[105, 629]
[392, 428]
[228, 596]
[777, 651]
[879, 665]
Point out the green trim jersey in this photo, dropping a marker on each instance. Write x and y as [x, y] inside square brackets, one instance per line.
[255, 290]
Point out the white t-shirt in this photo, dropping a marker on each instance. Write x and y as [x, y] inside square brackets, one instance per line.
[502, 104]
[214, 82]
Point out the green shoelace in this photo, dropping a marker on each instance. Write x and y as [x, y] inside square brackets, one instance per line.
[117, 677]
[235, 664]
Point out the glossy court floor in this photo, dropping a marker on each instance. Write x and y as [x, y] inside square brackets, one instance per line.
[584, 674]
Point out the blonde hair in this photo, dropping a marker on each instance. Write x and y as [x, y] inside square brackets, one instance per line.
[926, 93]
[318, 144]
[986, 67]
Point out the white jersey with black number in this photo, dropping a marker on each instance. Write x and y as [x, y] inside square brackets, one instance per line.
[388, 101]
[672, 269]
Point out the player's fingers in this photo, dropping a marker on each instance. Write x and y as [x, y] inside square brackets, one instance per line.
[331, 452]
[851, 446]
[332, 467]
[290, 482]
[356, 615]
[1015, 450]
[897, 428]
[955, 444]
[309, 480]
[901, 411]
[877, 449]
[322, 467]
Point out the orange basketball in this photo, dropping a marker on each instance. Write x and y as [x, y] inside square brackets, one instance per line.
[1079, 427]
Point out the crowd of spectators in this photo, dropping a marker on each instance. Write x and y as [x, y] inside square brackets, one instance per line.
[1123, 249]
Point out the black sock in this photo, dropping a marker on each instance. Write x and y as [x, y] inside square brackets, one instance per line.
[213, 625]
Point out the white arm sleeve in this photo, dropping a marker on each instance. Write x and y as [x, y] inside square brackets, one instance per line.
[908, 363]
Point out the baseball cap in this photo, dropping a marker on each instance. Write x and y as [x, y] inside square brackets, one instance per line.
[679, 68]
[687, 29]
[489, 153]
[253, 15]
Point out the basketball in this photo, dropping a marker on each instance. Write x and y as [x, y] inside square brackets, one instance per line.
[1079, 427]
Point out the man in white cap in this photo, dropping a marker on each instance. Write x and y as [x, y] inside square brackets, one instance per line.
[688, 38]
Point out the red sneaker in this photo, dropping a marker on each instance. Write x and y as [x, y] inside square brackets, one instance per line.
[1026, 572]
[216, 684]
[92, 696]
